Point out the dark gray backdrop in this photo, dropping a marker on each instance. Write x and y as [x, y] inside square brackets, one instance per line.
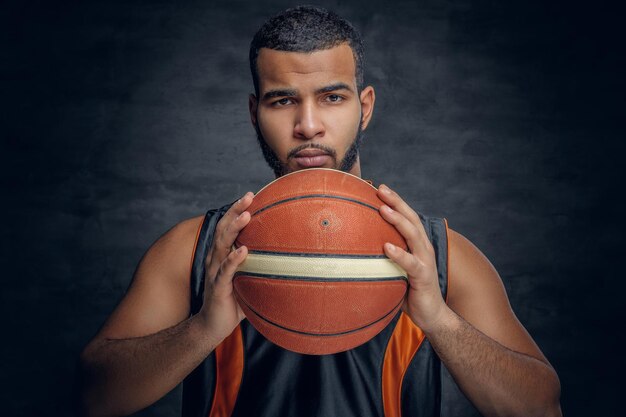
[120, 119]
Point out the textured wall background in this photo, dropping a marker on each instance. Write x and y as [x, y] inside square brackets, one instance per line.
[120, 119]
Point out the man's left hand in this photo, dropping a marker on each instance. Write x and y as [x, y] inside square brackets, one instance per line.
[424, 303]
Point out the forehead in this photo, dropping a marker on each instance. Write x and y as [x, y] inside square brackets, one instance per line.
[281, 68]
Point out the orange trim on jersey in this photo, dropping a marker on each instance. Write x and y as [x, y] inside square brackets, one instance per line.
[447, 260]
[403, 344]
[228, 374]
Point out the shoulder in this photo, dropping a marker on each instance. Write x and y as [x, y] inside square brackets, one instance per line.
[465, 256]
[172, 253]
[475, 289]
[178, 239]
[158, 296]
[470, 272]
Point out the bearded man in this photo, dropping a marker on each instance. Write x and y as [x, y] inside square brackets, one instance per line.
[309, 108]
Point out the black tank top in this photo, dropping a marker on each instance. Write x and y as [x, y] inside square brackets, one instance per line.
[397, 373]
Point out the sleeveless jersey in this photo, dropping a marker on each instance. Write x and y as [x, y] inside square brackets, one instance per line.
[397, 373]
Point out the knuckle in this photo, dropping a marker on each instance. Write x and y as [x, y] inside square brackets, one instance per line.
[222, 269]
[233, 254]
[234, 225]
[226, 263]
[239, 219]
[226, 229]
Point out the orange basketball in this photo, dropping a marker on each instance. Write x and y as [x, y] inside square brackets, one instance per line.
[316, 280]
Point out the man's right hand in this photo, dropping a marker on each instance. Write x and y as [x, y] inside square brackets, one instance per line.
[220, 312]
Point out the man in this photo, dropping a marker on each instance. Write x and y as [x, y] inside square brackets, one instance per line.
[309, 109]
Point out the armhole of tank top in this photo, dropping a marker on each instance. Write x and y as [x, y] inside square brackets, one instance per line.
[442, 366]
[430, 232]
[193, 257]
[195, 246]
[445, 221]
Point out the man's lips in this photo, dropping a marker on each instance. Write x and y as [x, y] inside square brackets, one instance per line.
[310, 158]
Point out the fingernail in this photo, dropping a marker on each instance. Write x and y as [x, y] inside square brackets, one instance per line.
[385, 189]
[387, 209]
[390, 247]
[238, 250]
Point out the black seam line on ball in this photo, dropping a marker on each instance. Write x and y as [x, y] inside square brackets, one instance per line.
[316, 279]
[323, 334]
[317, 255]
[314, 196]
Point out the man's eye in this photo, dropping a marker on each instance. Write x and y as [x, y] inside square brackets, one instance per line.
[282, 102]
[334, 98]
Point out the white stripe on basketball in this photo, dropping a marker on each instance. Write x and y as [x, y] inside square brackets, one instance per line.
[320, 267]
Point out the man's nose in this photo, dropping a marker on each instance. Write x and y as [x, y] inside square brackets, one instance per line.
[309, 122]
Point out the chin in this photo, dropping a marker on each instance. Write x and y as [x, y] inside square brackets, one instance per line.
[315, 167]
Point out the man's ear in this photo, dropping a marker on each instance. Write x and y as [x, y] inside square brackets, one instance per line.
[367, 97]
[252, 107]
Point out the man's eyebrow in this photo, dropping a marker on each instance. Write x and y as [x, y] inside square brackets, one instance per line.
[279, 93]
[334, 87]
[286, 92]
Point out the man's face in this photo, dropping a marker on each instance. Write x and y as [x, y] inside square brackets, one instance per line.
[309, 113]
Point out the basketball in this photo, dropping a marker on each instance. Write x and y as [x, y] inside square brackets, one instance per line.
[316, 280]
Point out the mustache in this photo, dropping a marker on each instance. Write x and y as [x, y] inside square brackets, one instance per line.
[328, 150]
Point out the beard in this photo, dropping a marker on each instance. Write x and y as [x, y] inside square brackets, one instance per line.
[281, 168]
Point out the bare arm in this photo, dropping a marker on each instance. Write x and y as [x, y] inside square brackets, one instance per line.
[488, 352]
[149, 343]
[492, 358]
[498, 380]
[122, 376]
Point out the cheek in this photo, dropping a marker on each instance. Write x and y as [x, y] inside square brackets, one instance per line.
[347, 126]
[274, 129]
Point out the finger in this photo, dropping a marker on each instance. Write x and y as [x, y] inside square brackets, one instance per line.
[411, 263]
[226, 240]
[230, 224]
[393, 200]
[407, 229]
[224, 280]
[231, 214]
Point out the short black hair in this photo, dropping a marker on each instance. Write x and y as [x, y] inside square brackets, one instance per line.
[306, 29]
